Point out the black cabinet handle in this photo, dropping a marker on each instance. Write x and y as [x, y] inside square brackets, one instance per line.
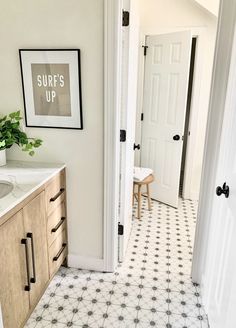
[57, 195]
[58, 225]
[24, 242]
[30, 235]
[60, 252]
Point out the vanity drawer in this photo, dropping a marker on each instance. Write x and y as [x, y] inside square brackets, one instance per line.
[55, 192]
[56, 223]
[57, 252]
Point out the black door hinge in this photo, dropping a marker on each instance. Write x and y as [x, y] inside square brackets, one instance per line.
[125, 19]
[122, 135]
[145, 50]
[120, 229]
[142, 116]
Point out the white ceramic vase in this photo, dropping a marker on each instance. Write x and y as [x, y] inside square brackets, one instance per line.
[3, 157]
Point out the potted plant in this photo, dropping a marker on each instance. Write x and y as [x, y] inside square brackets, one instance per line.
[11, 133]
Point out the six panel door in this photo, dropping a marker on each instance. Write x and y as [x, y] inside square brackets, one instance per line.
[164, 106]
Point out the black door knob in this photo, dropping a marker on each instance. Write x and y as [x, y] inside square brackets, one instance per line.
[136, 147]
[224, 190]
[176, 137]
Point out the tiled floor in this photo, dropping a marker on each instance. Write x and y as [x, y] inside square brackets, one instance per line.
[152, 288]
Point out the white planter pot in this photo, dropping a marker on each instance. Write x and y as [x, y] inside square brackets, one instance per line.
[3, 157]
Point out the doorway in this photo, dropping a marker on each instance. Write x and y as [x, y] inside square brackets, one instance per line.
[200, 92]
[176, 108]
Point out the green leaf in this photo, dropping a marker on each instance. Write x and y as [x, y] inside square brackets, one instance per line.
[2, 144]
[11, 133]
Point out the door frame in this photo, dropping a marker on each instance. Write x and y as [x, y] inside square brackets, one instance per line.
[199, 33]
[112, 124]
[112, 96]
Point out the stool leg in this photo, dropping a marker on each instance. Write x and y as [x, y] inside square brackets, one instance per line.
[139, 202]
[148, 197]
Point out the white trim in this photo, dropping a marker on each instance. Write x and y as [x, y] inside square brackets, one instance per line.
[86, 263]
[112, 89]
[224, 42]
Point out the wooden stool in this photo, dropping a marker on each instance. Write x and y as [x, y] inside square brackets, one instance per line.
[138, 195]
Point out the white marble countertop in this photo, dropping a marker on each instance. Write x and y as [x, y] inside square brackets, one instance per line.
[26, 177]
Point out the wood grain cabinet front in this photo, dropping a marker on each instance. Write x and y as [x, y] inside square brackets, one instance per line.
[36, 234]
[33, 245]
[14, 272]
[56, 223]
[57, 252]
[55, 192]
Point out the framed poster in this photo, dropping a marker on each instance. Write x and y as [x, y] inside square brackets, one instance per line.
[51, 82]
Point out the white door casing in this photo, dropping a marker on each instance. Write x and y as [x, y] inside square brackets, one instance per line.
[164, 107]
[112, 92]
[220, 287]
[222, 61]
[130, 36]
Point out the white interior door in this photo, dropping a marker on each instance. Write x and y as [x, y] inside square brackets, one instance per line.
[128, 113]
[164, 106]
[220, 288]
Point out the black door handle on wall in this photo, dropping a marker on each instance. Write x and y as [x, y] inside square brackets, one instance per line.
[224, 190]
[137, 147]
[176, 137]
[30, 235]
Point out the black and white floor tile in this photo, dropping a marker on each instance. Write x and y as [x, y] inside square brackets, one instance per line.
[152, 288]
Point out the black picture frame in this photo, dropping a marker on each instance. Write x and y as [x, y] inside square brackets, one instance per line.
[42, 74]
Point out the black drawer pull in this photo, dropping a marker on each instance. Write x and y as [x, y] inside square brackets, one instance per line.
[60, 252]
[30, 235]
[57, 195]
[24, 242]
[58, 225]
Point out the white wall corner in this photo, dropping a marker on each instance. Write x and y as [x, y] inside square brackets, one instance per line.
[211, 6]
[85, 262]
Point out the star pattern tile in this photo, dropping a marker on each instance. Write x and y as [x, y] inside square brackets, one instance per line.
[151, 288]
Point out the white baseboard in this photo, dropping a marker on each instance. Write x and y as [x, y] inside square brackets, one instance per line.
[86, 263]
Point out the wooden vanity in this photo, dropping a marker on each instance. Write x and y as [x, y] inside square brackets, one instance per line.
[33, 245]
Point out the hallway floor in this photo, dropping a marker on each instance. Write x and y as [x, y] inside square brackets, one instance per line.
[152, 288]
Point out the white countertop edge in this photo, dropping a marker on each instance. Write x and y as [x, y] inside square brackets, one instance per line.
[27, 194]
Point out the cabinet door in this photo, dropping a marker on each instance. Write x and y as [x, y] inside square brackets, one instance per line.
[13, 274]
[36, 233]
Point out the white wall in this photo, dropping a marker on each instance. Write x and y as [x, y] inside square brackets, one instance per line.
[63, 24]
[211, 5]
[165, 16]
